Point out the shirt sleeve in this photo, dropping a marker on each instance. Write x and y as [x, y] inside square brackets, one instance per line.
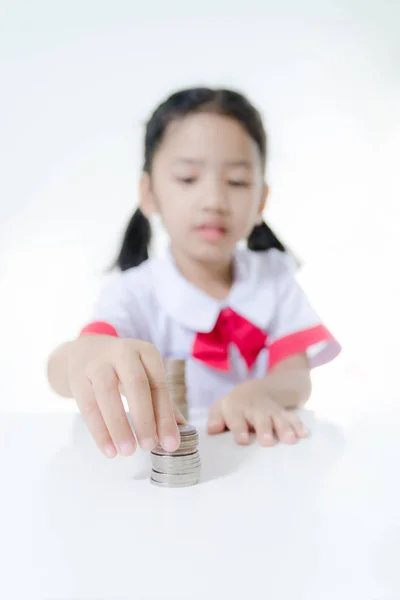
[296, 328]
[117, 311]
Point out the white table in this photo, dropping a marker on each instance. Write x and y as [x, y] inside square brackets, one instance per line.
[318, 521]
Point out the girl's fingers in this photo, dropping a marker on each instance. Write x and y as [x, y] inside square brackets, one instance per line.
[283, 429]
[179, 418]
[134, 382]
[216, 421]
[238, 426]
[105, 387]
[262, 424]
[84, 395]
[167, 428]
[297, 425]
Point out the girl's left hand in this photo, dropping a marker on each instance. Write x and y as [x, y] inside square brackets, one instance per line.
[249, 408]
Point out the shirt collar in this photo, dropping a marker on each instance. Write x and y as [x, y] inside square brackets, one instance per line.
[195, 310]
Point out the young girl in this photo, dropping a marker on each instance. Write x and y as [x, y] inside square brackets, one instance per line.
[237, 314]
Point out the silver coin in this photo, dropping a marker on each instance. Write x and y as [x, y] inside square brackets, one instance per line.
[189, 436]
[179, 452]
[184, 470]
[186, 430]
[168, 467]
[193, 439]
[187, 458]
[184, 459]
[160, 448]
[191, 444]
[176, 468]
[174, 471]
[174, 454]
[188, 444]
[175, 479]
[172, 485]
[161, 452]
[188, 441]
[192, 435]
[174, 461]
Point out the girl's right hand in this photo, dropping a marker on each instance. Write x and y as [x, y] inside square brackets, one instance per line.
[100, 368]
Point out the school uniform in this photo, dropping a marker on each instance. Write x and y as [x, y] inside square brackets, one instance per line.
[265, 319]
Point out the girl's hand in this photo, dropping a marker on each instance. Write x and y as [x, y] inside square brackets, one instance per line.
[249, 408]
[99, 369]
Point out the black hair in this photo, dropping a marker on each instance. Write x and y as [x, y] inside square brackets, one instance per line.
[137, 237]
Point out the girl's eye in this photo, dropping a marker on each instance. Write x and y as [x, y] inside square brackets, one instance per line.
[235, 183]
[187, 180]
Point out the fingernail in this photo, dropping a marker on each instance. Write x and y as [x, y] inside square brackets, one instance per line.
[169, 444]
[243, 437]
[268, 438]
[110, 451]
[215, 424]
[126, 448]
[148, 444]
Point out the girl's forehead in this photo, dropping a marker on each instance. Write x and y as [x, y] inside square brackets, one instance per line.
[203, 135]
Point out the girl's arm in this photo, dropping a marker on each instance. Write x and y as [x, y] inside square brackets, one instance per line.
[289, 382]
[94, 369]
[57, 370]
[75, 354]
[266, 405]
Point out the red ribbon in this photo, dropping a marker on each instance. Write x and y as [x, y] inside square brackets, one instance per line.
[213, 348]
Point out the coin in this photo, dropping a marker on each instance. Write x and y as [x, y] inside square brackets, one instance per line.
[187, 430]
[171, 485]
[176, 459]
[176, 467]
[191, 470]
[183, 452]
[182, 467]
[175, 478]
[175, 371]
[179, 468]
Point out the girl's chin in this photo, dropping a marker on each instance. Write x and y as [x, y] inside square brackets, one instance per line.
[211, 252]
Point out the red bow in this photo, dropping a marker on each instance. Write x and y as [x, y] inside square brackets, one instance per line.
[213, 347]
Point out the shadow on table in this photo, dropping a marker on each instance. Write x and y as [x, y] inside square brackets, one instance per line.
[300, 464]
[221, 456]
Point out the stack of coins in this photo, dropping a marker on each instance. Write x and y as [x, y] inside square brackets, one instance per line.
[175, 371]
[180, 468]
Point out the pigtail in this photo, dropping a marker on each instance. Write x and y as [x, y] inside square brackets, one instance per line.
[263, 238]
[135, 243]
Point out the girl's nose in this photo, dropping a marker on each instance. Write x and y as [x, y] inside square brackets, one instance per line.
[215, 197]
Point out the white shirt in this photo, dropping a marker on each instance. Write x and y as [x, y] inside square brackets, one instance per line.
[266, 318]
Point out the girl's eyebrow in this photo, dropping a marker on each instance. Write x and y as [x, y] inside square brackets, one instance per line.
[230, 163]
[239, 163]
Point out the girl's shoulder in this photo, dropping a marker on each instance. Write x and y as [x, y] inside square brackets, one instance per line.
[158, 278]
[264, 266]
[150, 279]
[133, 282]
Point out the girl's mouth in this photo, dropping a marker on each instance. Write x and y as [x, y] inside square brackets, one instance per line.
[211, 232]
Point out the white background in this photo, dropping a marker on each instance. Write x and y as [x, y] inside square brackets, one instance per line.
[77, 82]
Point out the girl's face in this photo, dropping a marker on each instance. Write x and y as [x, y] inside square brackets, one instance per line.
[207, 184]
